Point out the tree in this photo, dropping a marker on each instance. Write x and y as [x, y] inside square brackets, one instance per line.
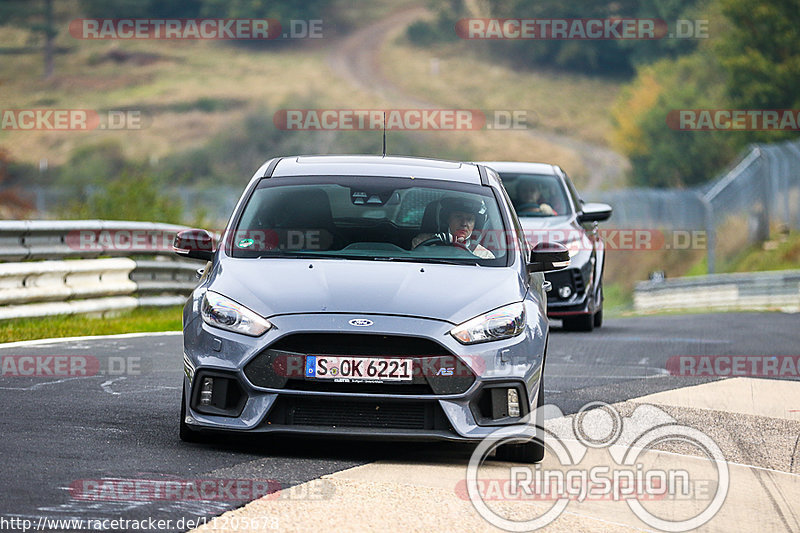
[283, 10]
[665, 157]
[38, 17]
[141, 8]
[599, 56]
[761, 53]
[670, 11]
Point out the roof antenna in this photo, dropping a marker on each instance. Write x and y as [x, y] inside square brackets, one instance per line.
[384, 134]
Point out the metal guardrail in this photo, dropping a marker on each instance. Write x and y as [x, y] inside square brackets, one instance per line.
[54, 267]
[22, 240]
[778, 290]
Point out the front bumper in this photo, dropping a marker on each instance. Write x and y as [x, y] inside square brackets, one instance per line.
[580, 282]
[433, 407]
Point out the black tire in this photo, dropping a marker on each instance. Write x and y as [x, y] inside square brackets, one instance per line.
[186, 433]
[579, 322]
[598, 315]
[598, 318]
[533, 450]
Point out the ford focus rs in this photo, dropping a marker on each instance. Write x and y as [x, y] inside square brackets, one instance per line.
[368, 297]
[551, 210]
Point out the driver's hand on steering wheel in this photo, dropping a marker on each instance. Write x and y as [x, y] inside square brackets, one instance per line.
[422, 237]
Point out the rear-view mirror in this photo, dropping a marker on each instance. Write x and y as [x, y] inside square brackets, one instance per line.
[548, 256]
[594, 212]
[194, 244]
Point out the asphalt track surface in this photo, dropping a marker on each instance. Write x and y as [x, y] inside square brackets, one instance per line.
[123, 424]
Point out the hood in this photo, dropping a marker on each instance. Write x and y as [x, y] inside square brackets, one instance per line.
[537, 223]
[551, 229]
[452, 293]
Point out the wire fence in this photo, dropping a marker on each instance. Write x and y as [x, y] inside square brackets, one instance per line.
[763, 186]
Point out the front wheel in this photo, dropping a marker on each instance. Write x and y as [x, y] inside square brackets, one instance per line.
[598, 315]
[598, 318]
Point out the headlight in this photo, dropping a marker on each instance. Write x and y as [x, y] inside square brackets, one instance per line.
[503, 323]
[576, 245]
[224, 313]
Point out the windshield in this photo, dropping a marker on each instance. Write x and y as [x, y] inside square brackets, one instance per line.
[372, 218]
[536, 195]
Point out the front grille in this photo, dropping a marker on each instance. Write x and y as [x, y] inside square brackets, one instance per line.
[282, 365]
[334, 413]
[364, 388]
[577, 280]
[358, 344]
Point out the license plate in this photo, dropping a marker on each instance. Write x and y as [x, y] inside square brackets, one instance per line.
[358, 368]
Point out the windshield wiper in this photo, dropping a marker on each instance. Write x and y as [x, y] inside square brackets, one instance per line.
[311, 255]
[305, 255]
[435, 261]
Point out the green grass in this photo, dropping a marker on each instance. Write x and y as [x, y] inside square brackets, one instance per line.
[616, 300]
[134, 321]
[782, 253]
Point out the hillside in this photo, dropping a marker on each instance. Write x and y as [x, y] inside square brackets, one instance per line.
[189, 92]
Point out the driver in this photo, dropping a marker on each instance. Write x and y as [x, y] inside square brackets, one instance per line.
[456, 220]
[532, 199]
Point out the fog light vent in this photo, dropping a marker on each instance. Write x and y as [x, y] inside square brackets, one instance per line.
[513, 402]
[206, 391]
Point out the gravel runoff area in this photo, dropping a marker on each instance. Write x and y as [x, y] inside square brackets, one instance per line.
[762, 454]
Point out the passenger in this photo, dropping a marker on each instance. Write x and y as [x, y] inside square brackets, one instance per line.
[456, 221]
[532, 200]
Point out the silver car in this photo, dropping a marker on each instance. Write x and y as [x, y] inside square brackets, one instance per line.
[368, 296]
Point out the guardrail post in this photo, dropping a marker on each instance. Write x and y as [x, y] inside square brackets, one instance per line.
[711, 236]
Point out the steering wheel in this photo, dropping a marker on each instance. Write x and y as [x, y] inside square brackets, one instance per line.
[531, 206]
[536, 208]
[436, 241]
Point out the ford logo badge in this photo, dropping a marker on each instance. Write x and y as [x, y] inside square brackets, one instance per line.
[360, 322]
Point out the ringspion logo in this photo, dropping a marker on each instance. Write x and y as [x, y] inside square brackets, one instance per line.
[600, 455]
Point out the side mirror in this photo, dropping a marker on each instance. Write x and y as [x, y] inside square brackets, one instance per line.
[194, 244]
[594, 212]
[547, 256]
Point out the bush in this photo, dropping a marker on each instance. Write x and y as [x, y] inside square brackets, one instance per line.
[661, 156]
[133, 195]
